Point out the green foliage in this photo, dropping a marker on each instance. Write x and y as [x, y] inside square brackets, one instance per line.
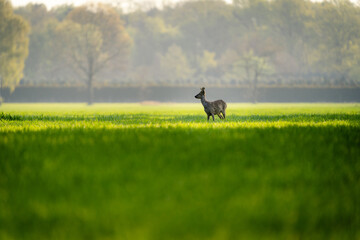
[340, 34]
[13, 46]
[207, 61]
[130, 171]
[44, 63]
[152, 37]
[252, 67]
[60, 12]
[174, 65]
[35, 13]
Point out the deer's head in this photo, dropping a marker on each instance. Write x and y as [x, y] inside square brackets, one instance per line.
[201, 93]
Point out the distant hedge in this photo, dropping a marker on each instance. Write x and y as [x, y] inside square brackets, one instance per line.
[180, 94]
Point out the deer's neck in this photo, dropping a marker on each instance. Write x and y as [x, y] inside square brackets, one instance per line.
[203, 101]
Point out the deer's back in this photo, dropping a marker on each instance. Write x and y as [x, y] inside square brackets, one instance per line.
[217, 106]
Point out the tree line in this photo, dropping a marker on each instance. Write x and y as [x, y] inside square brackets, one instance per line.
[213, 43]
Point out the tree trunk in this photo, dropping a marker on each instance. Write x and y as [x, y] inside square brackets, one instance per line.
[254, 88]
[90, 90]
[1, 88]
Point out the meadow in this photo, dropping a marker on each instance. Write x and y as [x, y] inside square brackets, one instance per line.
[161, 171]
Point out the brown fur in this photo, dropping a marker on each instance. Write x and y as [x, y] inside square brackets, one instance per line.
[217, 107]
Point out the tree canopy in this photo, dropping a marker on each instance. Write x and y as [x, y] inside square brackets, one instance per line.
[192, 42]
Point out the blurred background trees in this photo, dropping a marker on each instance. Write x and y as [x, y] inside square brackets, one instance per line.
[91, 39]
[13, 46]
[245, 43]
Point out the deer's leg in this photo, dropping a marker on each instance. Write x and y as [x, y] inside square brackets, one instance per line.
[219, 115]
[208, 117]
[213, 117]
[223, 113]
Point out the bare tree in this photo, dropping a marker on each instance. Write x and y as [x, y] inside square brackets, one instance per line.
[94, 39]
[255, 67]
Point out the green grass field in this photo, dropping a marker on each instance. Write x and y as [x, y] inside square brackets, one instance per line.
[132, 171]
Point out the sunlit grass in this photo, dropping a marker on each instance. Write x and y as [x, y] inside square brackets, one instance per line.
[16, 117]
[78, 109]
[132, 171]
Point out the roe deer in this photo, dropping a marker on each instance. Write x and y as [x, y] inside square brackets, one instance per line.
[212, 108]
